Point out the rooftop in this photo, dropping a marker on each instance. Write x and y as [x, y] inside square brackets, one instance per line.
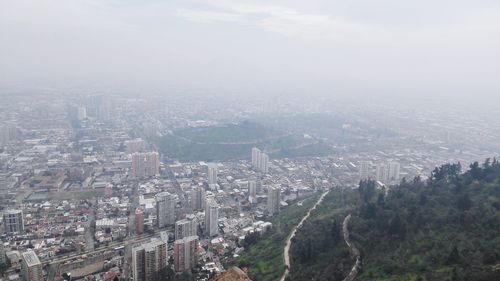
[31, 258]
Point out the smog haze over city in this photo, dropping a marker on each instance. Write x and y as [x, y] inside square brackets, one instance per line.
[224, 140]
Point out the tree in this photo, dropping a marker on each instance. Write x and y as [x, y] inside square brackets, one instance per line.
[366, 189]
[454, 256]
[464, 202]
[475, 171]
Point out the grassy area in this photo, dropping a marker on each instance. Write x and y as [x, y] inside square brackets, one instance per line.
[265, 258]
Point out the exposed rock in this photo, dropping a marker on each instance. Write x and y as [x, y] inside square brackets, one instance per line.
[233, 274]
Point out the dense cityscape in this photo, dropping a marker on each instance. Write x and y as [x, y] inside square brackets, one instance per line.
[87, 193]
[249, 140]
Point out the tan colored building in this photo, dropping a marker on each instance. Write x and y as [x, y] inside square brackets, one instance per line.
[185, 253]
[149, 259]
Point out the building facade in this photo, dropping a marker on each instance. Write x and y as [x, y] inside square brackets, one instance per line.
[165, 209]
[149, 260]
[13, 221]
[198, 198]
[212, 173]
[273, 200]
[139, 221]
[364, 170]
[186, 227]
[211, 218]
[136, 145]
[260, 160]
[32, 269]
[145, 165]
[185, 253]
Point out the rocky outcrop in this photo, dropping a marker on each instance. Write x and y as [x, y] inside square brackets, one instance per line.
[233, 274]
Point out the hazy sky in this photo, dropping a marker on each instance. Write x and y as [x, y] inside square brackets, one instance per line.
[399, 47]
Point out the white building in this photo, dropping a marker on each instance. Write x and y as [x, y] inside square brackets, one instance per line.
[198, 198]
[260, 160]
[264, 163]
[273, 200]
[364, 170]
[211, 217]
[394, 171]
[255, 157]
[186, 227]
[252, 190]
[212, 173]
[382, 173]
[165, 209]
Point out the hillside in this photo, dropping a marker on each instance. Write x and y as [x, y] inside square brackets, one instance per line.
[235, 141]
[263, 255]
[445, 228]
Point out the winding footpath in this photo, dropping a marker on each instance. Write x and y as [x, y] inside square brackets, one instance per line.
[286, 251]
[355, 252]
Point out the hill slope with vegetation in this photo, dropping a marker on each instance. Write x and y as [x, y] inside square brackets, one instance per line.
[443, 228]
[235, 141]
[263, 255]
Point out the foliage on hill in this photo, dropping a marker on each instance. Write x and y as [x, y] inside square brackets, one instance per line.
[318, 250]
[445, 228]
[233, 141]
[241, 132]
[264, 255]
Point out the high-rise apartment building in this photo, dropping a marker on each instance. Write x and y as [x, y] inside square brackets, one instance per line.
[8, 133]
[145, 164]
[186, 227]
[260, 160]
[198, 198]
[149, 259]
[139, 221]
[252, 189]
[212, 173]
[98, 107]
[31, 267]
[255, 157]
[211, 217]
[185, 253]
[13, 221]
[273, 200]
[364, 170]
[394, 171]
[382, 173]
[165, 209]
[136, 145]
[264, 163]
